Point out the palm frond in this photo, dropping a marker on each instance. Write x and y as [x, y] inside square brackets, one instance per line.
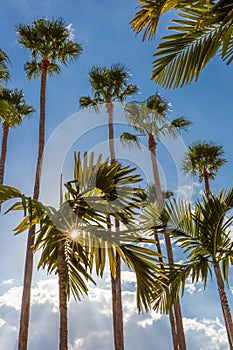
[200, 33]
[130, 140]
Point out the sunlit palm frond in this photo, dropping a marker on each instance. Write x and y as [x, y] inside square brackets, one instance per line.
[200, 33]
[149, 13]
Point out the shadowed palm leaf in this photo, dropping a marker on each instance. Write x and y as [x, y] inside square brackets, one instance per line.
[202, 29]
[205, 236]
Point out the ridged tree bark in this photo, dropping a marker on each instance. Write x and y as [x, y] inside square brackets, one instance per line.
[224, 304]
[175, 318]
[26, 298]
[118, 327]
[63, 343]
[5, 128]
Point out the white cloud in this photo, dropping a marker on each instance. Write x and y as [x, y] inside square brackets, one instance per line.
[211, 331]
[44, 291]
[12, 298]
[102, 297]
[90, 322]
[185, 192]
[150, 319]
[128, 277]
[10, 281]
[2, 322]
[193, 287]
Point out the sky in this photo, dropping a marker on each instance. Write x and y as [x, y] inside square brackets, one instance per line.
[102, 28]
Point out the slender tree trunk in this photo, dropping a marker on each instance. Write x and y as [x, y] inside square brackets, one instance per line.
[5, 128]
[207, 181]
[173, 329]
[224, 303]
[63, 344]
[152, 149]
[109, 108]
[26, 298]
[118, 327]
[117, 307]
[176, 323]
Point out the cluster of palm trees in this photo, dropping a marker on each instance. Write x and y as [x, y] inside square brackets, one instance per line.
[96, 223]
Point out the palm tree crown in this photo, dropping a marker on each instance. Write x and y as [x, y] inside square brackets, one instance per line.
[12, 110]
[50, 42]
[109, 85]
[204, 160]
[151, 118]
[13, 107]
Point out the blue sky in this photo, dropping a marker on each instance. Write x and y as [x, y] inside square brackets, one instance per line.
[102, 28]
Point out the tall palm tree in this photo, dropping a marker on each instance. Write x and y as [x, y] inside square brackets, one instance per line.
[150, 119]
[202, 30]
[50, 44]
[12, 111]
[204, 160]
[73, 238]
[110, 85]
[205, 234]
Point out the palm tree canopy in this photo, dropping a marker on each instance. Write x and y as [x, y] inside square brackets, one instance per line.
[113, 187]
[203, 155]
[13, 107]
[4, 72]
[93, 244]
[49, 41]
[202, 29]
[204, 233]
[109, 85]
[151, 117]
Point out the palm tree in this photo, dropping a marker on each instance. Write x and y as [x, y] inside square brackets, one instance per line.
[203, 160]
[12, 111]
[50, 43]
[205, 234]
[73, 238]
[150, 119]
[202, 29]
[110, 85]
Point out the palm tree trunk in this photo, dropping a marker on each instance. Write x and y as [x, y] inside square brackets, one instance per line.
[152, 149]
[25, 306]
[117, 307]
[173, 329]
[224, 303]
[109, 108]
[5, 128]
[177, 308]
[176, 322]
[207, 182]
[63, 345]
[118, 328]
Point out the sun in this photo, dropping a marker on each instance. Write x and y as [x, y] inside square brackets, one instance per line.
[74, 233]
